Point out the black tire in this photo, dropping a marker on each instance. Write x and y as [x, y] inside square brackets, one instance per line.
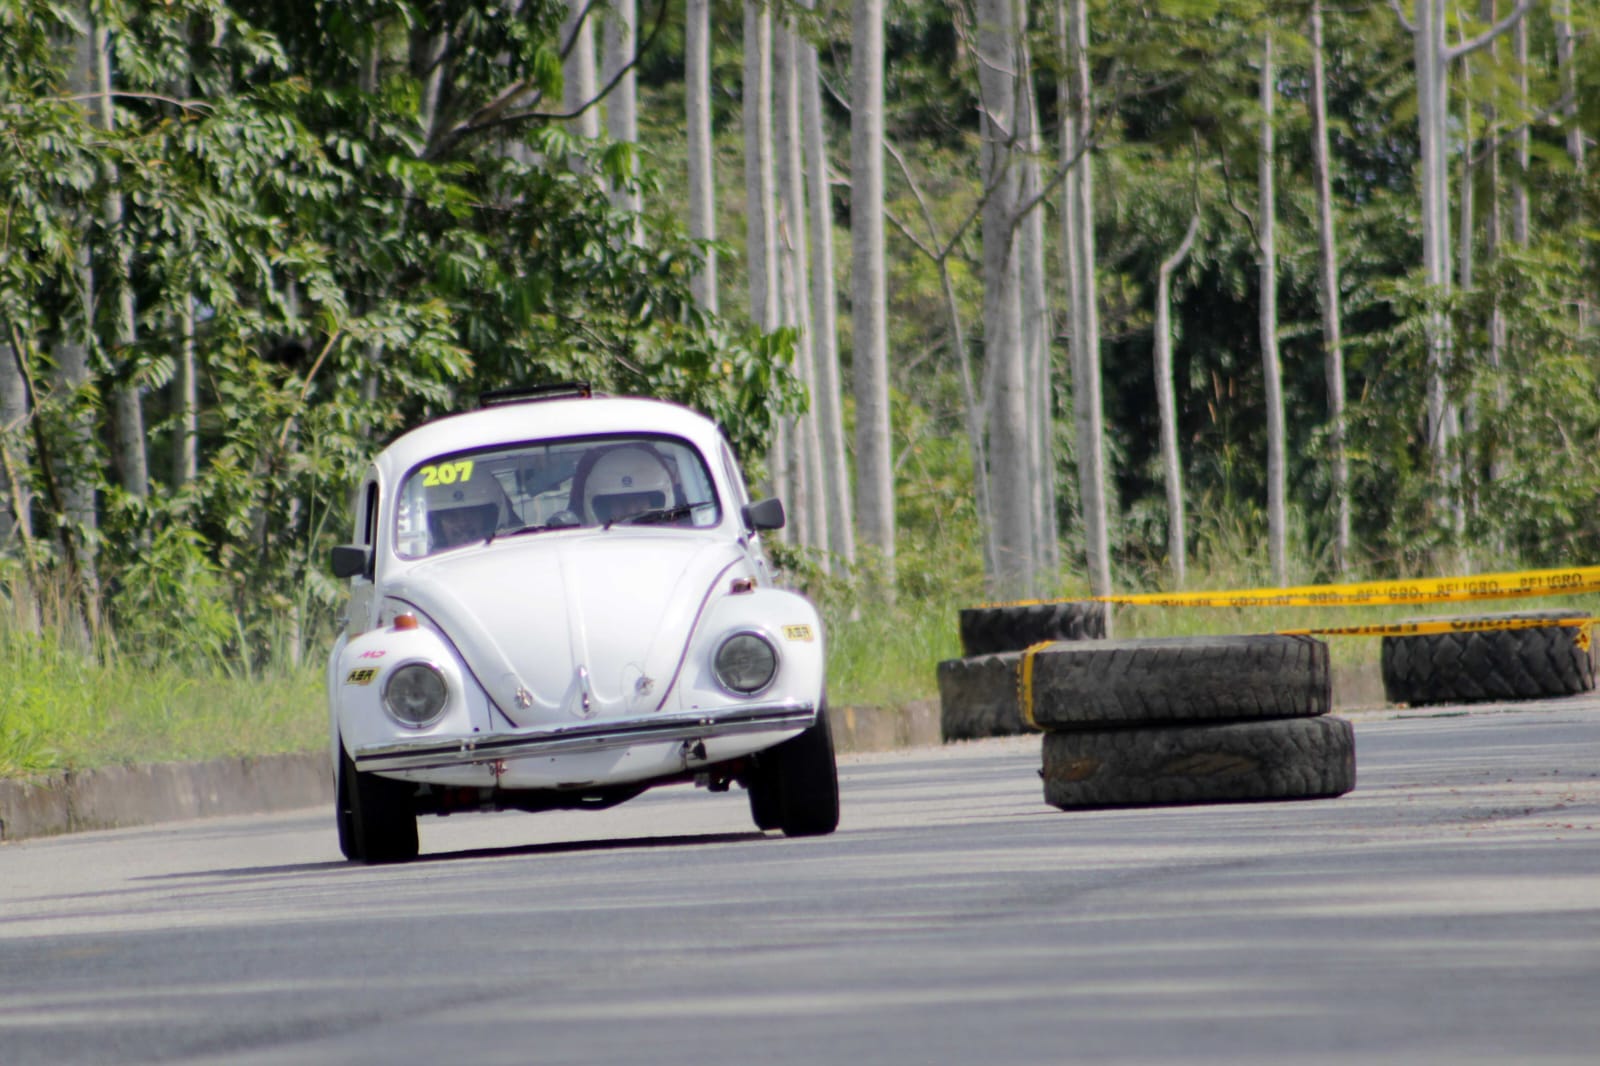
[1018, 626]
[795, 786]
[766, 806]
[1472, 665]
[1167, 680]
[978, 697]
[1289, 758]
[376, 815]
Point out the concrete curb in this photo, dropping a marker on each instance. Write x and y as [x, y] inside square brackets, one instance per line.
[116, 797]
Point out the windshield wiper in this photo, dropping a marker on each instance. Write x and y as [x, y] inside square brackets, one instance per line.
[657, 515]
[520, 530]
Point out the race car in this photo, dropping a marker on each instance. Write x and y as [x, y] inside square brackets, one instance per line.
[559, 600]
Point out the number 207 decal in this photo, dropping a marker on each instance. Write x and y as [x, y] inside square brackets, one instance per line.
[446, 473]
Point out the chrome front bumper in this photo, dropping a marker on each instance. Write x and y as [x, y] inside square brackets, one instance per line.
[429, 753]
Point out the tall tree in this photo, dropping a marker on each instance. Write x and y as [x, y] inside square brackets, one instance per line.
[874, 509]
[1078, 252]
[794, 263]
[1433, 59]
[1167, 404]
[1328, 296]
[617, 73]
[761, 223]
[132, 461]
[580, 88]
[1036, 324]
[1005, 363]
[1272, 368]
[701, 189]
[834, 476]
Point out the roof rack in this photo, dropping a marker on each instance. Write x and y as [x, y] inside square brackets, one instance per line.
[530, 393]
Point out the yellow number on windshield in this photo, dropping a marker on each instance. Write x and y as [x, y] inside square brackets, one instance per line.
[446, 473]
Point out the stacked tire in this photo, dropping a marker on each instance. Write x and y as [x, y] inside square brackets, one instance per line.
[978, 692]
[1522, 655]
[1178, 720]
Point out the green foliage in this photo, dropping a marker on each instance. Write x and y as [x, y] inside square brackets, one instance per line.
[357, 253]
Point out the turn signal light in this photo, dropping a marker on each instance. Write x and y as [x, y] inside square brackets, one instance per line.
[405, 621]
[742, 585]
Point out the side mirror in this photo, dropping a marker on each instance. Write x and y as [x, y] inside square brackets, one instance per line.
[352, 560]
[764, 514]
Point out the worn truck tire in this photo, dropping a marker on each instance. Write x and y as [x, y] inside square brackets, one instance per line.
[1476, 664]
[1013, 627]
[978, 697]
[1173, 680]
[1289, 758]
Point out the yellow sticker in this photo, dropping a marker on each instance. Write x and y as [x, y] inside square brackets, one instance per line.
[1025, 683]
[446, 473]
[797, 633]
[362, 676]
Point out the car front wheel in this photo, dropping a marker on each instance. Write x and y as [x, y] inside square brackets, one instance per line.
[377, 817]
[795, 785]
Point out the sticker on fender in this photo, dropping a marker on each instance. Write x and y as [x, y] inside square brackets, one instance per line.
[363, 676]
[797, 633]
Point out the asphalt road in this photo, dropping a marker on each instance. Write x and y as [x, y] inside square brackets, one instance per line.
[1448, 910]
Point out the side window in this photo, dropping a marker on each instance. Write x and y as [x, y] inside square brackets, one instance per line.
[368, 533]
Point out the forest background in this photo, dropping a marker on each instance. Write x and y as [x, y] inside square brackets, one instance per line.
[1005, 299]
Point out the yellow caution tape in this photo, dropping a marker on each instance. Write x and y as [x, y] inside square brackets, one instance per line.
[1025, 683]
[1513, 585]
[1445, 625]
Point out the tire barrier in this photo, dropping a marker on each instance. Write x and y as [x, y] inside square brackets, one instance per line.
[1016, 626]
[1169, 680]
[978, 697]
[1524, 655]
[1294, 758]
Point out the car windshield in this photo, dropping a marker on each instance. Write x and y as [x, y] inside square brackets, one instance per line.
[479, 496]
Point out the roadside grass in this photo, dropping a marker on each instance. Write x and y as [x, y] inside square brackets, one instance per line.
[63, 709]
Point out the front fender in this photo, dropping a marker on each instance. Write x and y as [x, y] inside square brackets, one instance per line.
[358, 669]
[786, 618]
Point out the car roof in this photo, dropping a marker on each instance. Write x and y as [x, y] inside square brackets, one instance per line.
[513, 422]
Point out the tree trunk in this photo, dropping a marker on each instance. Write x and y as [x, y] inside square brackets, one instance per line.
[1036, 334]
[834, 477]
[1272, 370]
[702, 172]
[579, 85]
[186, 401]
[1328, 291]
[1524, 139]
[807, 454]
[1566, 55]
[133, 466]
[1005, 361]
[1433, 58]
[69, 474]
[1432, 89]
[15, 497]
[874, 459]
[622, 123]
[1077, 222]
[760, 222]
[1167, 404]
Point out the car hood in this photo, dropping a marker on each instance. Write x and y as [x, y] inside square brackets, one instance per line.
[560, 626]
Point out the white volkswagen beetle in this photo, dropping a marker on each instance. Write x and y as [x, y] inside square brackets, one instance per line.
[559, 601]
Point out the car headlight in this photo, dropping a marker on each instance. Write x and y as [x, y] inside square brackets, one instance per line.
[746, 663]
[415, 694]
